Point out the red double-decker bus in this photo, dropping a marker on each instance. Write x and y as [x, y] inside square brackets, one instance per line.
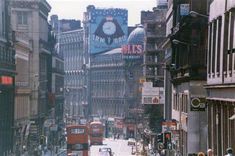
[96, 133]
[77, 140]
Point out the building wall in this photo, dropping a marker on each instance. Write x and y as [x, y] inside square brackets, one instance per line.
[7, 74]
[29, 20]
[108, 86]
[72, 47]
[220, 79]
[188, 68]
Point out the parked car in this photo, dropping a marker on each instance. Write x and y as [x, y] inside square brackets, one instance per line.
[131, 142]
[105, 151]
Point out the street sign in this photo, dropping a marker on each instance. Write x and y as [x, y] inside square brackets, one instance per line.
[160, 146]
[198, 104]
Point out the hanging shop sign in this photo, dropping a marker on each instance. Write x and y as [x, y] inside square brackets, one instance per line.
[6, 80]
[198, 104]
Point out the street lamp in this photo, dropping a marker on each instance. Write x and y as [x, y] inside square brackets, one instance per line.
[196, 14]
[181, 42]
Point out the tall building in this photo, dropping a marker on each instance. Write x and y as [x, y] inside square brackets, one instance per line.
[188, 73]
[34, 66]
[64, 24]
[23, 47]
[104, 29]
[107, 82]
[7, 78]
[155, 28]
[72, 47]
[220, 78]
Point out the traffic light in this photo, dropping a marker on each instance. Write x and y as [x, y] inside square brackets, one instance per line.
[167, 140]
[159, 141]
[160, 138]
[42, 140]
[167, 137]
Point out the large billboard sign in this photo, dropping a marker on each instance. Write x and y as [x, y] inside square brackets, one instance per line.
[131, 51]
[108, 29]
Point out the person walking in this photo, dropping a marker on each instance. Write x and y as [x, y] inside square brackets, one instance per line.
[229, 152]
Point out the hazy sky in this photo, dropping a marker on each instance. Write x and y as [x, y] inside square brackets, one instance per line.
[73, 9]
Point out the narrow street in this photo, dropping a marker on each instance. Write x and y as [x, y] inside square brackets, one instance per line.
[119, 147]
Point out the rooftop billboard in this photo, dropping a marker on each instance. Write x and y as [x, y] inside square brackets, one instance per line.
[108, 29]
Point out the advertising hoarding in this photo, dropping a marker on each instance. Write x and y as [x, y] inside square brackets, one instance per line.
[152, 95]
[108, 29]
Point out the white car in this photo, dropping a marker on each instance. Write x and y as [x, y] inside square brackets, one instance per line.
[105, 151]
[131, 142]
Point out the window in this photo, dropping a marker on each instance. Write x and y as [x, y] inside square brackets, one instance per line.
[22, 17]
[77, 131]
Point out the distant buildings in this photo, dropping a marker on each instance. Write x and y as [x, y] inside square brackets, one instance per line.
[154, 24]
[75, 87]
[64, 25]
[107, 84]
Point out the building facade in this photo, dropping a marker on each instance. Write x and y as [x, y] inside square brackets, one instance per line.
[220, 78]
[166, 45]
[64, 24]
[107, 82]
[7, 78]
[154, 25]
[72, 47]
[23, 47]
[29, 19]
[188, 72]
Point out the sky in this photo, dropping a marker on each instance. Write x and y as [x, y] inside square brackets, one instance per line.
[73, 9]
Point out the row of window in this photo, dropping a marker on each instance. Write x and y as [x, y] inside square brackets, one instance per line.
[74, 80]
[107, 74]
[68, 38]
[108, 89]
[68, 49]
[181, 102]
[219, 43]
[7, 55]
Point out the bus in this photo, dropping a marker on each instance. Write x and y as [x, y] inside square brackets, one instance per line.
[96, 133]
[77, 140]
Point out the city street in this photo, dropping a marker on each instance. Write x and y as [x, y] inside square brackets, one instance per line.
[119, 147]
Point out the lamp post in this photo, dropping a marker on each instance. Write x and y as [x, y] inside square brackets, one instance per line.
[175, 41]
[196, 14]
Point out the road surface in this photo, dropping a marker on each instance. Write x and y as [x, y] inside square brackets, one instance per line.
[119, 147]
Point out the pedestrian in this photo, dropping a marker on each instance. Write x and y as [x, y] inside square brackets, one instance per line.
[210, 152]
[229, 152]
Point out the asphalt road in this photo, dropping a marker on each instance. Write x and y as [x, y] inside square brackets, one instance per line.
[119, 147]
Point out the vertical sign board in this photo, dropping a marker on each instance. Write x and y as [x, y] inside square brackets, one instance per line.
[108, 29]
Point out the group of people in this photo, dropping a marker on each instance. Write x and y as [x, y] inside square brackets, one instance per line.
[229, 152]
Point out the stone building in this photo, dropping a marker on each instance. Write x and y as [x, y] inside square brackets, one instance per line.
[107, 82]
[188, 73]
[72, 47]
[7, 78]
[32, 106]
[220, 78]
[154, 24]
